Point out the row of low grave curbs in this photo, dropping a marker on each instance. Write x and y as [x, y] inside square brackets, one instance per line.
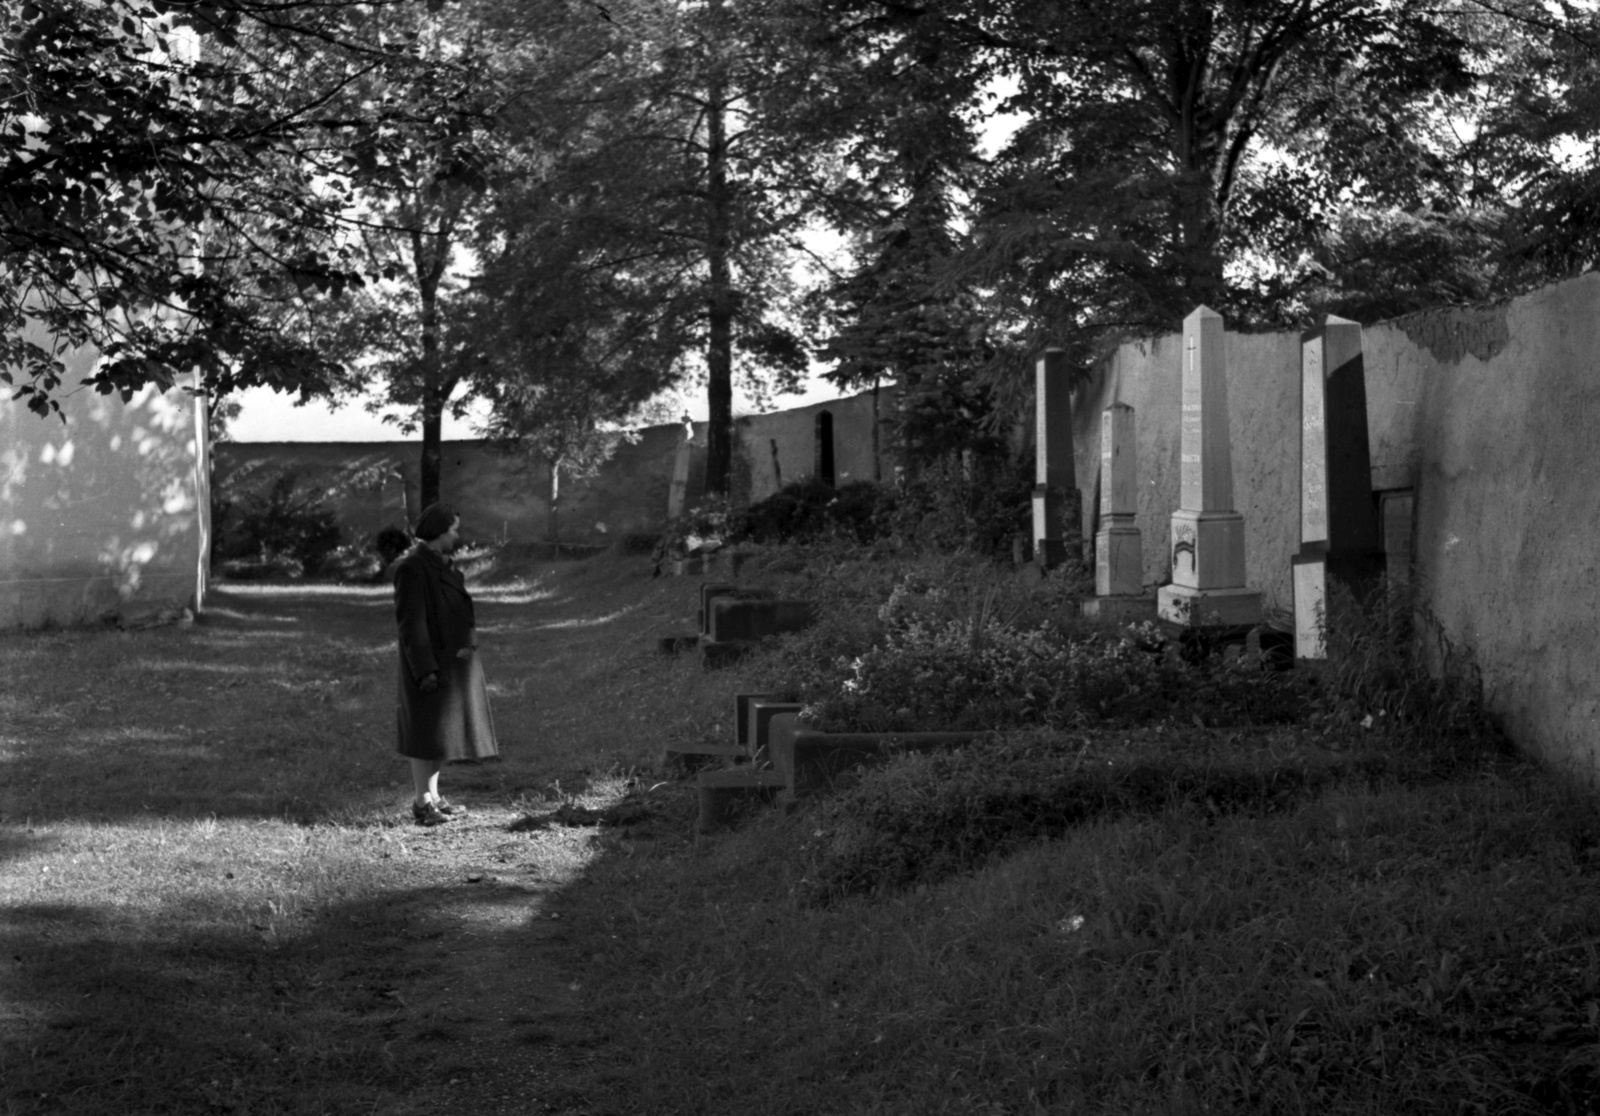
[773, 758]
[734, 619]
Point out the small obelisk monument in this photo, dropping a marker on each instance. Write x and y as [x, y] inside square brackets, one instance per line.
[1208, 579]
[1118, 547]
[1339, 535]
[1057, 504]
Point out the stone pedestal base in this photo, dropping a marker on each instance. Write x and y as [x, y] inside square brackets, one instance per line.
[1057, 526]
[1208, 550]
[1121, 609]
[1208, 608]
[1118, 562]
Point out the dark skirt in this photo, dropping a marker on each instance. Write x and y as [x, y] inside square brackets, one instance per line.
[453, 722]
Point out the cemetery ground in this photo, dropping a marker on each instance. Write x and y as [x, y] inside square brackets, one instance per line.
[1233, 892]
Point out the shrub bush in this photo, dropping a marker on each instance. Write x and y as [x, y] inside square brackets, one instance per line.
[808, 510]
[389, 543]
[280, 530]
[794, 513]
[978, 503]
[968, 657]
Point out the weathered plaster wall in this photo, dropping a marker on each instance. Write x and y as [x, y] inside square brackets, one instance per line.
[789, 437]
[1264, 402]
[1508, 508]
[507, 498]
[107, 510]
[1489, 413]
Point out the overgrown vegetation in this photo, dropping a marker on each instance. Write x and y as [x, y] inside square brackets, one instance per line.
[282, 531]
[951, 504]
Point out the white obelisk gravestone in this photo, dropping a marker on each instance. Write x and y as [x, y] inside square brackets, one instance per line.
[1208, 579]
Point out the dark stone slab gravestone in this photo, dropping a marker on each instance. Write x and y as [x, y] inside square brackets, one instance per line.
[750, 620]
[736, 624]
[1340, 541]
[1057, 504]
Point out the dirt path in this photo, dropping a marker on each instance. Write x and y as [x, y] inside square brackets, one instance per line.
[487, 993]
[490, 992]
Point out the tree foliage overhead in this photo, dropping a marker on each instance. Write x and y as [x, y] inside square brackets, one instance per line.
[562, 208]
[657, 247]
[160, 178]
[1271, 158]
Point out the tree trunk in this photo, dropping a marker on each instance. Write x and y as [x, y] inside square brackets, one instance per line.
[434, 390]
[720, 300]
[1199, 145]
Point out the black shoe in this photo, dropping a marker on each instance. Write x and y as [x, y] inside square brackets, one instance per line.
[449, 809]
[426, 813]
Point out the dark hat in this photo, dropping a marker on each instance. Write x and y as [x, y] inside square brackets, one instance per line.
[434, 521]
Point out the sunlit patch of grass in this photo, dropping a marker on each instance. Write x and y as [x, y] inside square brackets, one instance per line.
[166, 965]
[300, 590]
[515, 591]
[589, 621]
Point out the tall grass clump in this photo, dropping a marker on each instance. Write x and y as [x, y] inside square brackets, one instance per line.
[1393, 669]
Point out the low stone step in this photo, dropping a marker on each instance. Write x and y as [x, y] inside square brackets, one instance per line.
[721, 791]
[694, 752]
[677, 644]
[741, 712]
[810, 761]
[720, 653]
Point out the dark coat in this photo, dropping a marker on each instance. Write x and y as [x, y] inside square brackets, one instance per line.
[434, 613]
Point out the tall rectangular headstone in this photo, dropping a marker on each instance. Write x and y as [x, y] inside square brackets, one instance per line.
[678, 493]
[1208, 569]
[1057, 505]
[1339, 531]
[1119, 553]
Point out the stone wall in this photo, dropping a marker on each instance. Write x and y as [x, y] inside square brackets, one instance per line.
[106, 511]
[1488, 414]
[506, 498]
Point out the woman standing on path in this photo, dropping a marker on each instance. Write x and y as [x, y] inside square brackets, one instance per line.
[444, 704]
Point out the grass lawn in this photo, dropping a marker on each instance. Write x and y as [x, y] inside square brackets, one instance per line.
[212, 900]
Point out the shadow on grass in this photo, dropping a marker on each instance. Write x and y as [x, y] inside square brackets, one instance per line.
[112, 1011]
